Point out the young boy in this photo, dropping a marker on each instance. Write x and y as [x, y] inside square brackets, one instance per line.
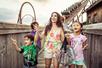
[35, 33]
[28, 50]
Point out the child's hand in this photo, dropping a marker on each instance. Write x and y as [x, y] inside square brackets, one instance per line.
[14, 41]
[68, 46]
[67, 35]
[85, 47]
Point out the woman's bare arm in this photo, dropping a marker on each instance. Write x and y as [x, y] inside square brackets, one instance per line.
[62, 35]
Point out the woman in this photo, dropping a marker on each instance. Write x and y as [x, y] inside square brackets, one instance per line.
[54, 34]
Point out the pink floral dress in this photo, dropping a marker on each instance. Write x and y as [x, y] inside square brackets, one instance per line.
[52, 44]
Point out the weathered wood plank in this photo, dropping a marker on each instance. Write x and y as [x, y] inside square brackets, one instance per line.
[93, 56]
[9, 58]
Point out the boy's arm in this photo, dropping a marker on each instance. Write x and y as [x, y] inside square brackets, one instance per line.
[15, 45]
[36, 37]
[42, 34]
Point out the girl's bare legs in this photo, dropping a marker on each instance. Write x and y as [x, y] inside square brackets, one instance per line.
[47, 62]
[55, 63]
[72, 66]
[79, 66]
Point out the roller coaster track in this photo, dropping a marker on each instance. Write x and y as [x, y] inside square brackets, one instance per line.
[20, 17]
[76, 11]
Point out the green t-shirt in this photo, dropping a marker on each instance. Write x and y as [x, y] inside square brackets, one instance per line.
[29, 53]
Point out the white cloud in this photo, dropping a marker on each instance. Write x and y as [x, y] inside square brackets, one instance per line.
[43, 8]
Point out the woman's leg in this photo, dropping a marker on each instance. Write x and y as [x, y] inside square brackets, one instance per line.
[79, 66]
[48, 62]
[72, 66]
[55, 63]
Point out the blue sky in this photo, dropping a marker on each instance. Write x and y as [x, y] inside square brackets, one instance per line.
[9, 9]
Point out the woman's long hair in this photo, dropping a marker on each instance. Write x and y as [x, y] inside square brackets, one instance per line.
[58, 23]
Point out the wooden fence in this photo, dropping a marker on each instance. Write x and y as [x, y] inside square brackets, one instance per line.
[9, 58]
[93, 55]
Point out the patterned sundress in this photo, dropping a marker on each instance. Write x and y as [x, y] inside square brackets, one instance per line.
[52, 44]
